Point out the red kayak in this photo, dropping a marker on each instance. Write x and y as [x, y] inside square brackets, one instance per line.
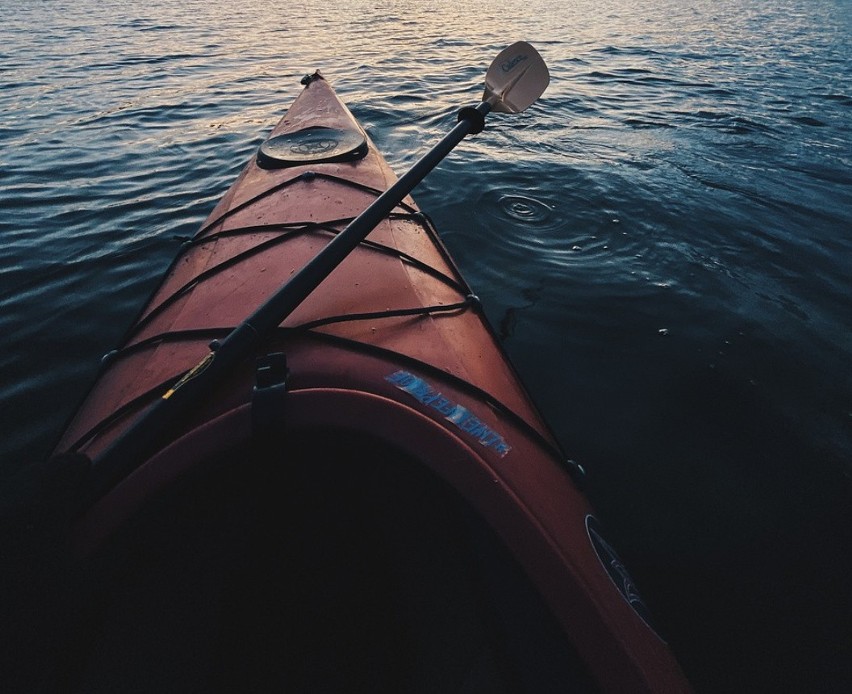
[371, 502]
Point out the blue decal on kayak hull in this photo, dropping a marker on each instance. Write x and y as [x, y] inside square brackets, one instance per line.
[459, 415]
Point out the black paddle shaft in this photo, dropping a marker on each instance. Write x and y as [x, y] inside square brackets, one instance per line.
[157, 426]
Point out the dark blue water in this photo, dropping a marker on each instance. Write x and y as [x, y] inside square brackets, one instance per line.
[664, 243]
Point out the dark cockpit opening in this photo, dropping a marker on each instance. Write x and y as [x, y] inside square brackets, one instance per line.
[324, 563]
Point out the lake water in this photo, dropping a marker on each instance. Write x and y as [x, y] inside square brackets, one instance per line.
[664, 242]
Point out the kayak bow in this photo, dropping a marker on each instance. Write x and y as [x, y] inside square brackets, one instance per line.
[371, 460]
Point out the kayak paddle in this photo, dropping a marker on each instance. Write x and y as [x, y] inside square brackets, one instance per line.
[514, 81]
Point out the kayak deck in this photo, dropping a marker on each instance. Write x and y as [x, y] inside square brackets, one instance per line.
[269, 225]
[392, 374]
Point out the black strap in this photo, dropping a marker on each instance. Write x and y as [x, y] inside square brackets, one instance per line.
[269, 396]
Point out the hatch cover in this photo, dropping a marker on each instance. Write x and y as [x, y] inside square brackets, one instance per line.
[312, 146]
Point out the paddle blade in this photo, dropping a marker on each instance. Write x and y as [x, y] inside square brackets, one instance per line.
[516, 78]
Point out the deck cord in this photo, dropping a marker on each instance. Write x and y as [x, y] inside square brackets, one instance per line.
[306, 176]
[348, 343]
[217, 333]
[288, 230]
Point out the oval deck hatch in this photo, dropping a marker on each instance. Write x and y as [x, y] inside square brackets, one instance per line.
[312, 146]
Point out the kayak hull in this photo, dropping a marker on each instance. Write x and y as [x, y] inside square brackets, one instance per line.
[393, 345]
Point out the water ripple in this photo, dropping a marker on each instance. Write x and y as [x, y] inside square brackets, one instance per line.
[525, 209]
